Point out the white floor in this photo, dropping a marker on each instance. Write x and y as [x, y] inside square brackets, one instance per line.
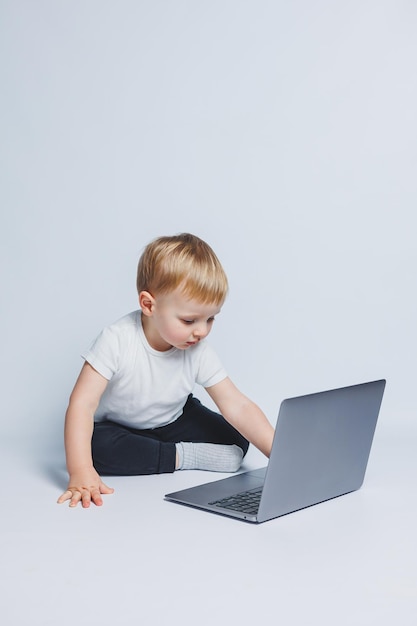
[142, 560]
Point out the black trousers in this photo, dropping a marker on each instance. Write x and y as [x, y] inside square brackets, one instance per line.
[122, 451]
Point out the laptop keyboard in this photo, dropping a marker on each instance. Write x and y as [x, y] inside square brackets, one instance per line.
[246, 501]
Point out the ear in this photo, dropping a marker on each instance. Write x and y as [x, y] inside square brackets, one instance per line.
[146, 303]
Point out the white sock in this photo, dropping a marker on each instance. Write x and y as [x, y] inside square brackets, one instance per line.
[213, 457]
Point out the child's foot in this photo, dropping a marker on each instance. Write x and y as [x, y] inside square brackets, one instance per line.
[213, 457]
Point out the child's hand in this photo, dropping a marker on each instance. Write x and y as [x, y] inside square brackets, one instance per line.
[85, 487]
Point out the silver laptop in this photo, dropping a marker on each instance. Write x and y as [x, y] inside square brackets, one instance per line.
[320, 451]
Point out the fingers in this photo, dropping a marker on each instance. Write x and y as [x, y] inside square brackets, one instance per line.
[75, 495]
[105, 489]
[85, 495]
[85, 498]
[65, 496]
[96, 497]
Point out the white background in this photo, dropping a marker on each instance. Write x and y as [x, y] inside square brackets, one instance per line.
[284, 134]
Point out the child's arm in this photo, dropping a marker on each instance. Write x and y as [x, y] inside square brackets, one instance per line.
[243, 414]
[85, 484]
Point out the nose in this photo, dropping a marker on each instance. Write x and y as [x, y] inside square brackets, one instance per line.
[200, 331]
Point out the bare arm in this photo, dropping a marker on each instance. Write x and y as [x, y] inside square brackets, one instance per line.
[243, 414]
[84, 482]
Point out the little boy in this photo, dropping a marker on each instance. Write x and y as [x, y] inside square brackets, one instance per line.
[132, 411]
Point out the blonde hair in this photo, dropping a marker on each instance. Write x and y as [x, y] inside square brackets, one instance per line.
[182, 261]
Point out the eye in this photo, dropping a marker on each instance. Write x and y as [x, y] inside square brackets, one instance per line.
[188, 322]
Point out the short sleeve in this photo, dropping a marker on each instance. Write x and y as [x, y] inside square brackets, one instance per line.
[210, 370]
[104, 353]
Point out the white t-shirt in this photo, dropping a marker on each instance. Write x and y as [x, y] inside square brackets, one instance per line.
[147, 388]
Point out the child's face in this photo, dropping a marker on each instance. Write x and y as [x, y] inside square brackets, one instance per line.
[171, 320]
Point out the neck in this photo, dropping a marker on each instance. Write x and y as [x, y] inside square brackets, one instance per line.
[152, 336]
